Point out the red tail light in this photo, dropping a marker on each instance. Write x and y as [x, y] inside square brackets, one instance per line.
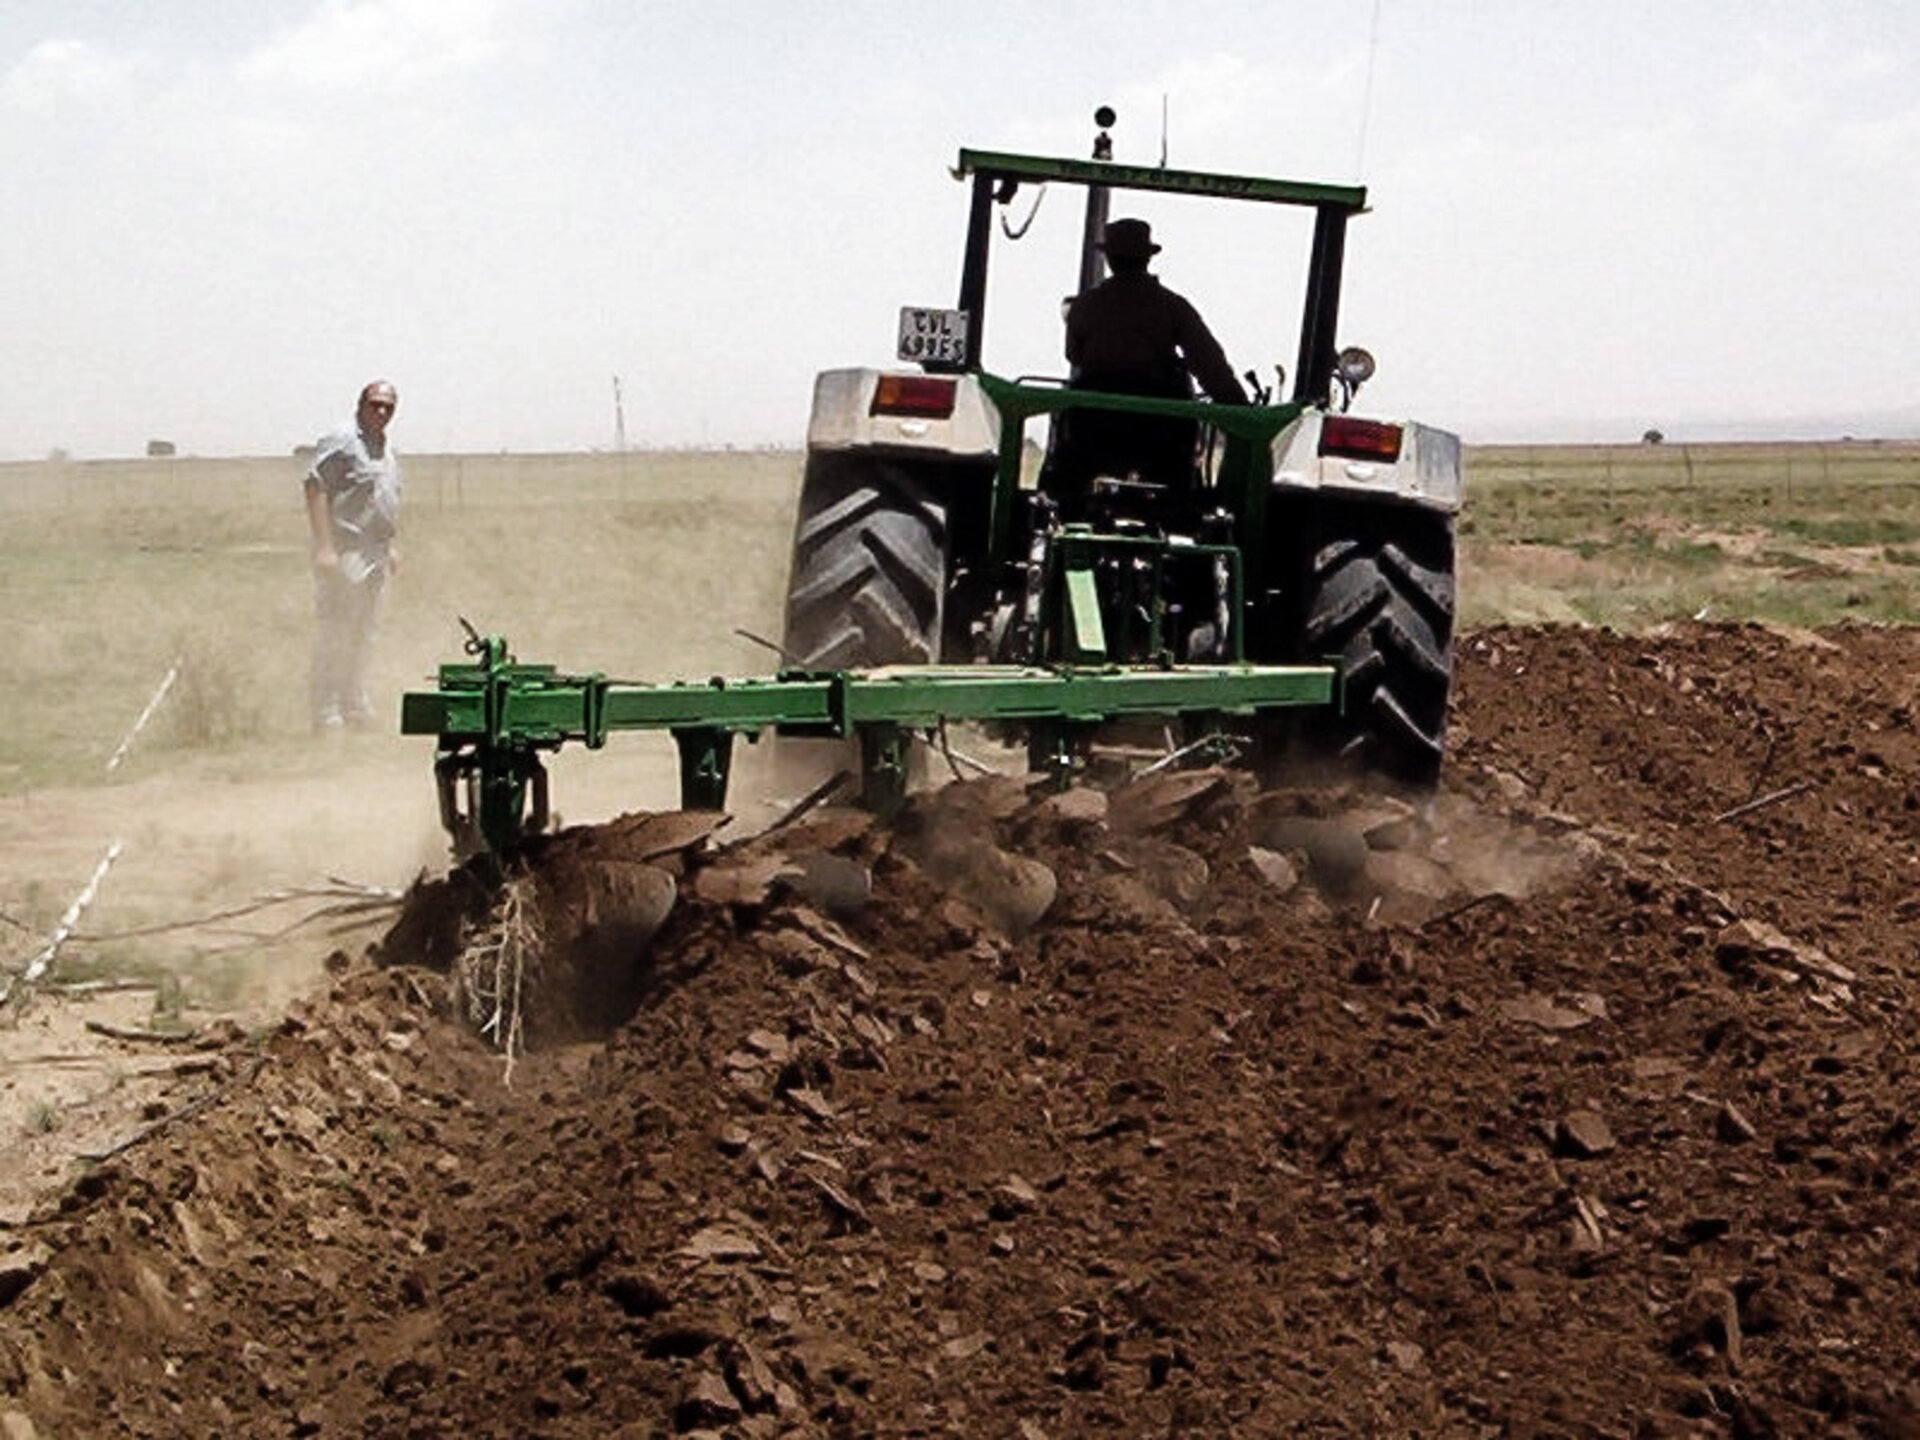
[930, 396]
[1359, 439]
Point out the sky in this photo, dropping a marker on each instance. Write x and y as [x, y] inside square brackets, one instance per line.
[1585, 221]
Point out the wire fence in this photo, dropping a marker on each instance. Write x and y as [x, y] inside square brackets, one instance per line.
[1709, 485]
[432, 481]
[1509, 488]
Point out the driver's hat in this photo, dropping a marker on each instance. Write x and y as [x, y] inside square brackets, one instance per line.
[1129, 240]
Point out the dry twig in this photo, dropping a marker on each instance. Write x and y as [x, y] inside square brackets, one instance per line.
[142, 1033]
[72, 988]
[1231, 744]
[192, 1107]
[820, 793]
[1773, 798]
[954, 758]
[1455, 912]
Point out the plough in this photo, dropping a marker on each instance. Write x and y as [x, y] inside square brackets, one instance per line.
[495, 717]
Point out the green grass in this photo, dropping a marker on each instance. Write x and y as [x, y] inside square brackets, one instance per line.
[1632, 535]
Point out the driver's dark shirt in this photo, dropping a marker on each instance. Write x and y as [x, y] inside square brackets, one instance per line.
[1130, 335]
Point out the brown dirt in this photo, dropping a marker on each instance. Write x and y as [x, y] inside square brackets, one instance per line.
[1560, 1106]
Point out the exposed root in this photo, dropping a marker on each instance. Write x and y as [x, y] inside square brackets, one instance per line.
[489, 973]
[349, 898]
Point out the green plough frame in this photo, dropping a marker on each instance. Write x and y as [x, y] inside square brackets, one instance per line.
[494, 715]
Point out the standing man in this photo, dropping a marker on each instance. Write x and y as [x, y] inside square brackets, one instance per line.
[353, 511]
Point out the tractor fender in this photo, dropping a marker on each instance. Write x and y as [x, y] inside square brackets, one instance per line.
[843, 417]
[1426, 473]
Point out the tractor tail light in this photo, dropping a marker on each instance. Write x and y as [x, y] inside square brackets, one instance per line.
[1359, 439]
[929, 396]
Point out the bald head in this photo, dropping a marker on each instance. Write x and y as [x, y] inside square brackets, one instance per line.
[377, 403]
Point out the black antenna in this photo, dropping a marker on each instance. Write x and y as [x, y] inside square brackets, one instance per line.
[1163, 129]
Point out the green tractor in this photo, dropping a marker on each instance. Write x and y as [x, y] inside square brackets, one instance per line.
[1151, 531]
[1278, 573]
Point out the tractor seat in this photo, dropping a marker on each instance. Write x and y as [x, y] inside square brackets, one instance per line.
[1089, 445]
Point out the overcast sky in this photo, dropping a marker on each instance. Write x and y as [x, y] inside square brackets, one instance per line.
[224, 215]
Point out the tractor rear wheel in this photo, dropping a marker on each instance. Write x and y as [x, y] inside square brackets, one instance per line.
[868, 581]
[1379, 597]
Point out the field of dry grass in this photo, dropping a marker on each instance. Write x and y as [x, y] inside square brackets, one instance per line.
[639, 565]
[645, 565]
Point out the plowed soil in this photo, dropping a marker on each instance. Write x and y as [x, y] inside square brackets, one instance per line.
[1580, 1099]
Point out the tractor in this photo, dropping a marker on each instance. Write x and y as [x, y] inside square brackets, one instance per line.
[1152, 531]
[1272, 577]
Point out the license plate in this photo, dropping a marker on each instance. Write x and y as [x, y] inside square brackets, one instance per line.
[933, 335]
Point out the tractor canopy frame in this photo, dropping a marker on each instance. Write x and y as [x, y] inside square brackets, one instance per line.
[996, 176]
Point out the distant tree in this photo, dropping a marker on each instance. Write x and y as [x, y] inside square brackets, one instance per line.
[1652, 437]
[58, 455]
[159, 449]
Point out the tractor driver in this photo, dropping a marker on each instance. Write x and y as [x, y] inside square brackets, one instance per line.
[1130, 335]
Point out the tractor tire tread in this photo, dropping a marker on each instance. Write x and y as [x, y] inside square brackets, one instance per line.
[1380, 599]
[868, 577]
